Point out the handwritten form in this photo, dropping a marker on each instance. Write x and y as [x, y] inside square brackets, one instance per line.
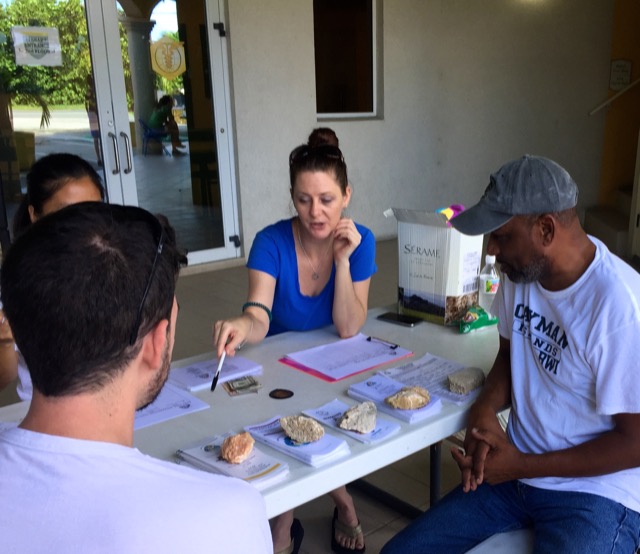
[346, 357]
[431, 373]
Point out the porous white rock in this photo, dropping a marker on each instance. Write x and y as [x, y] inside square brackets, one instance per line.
[409, 398]
[360, 418]
[302, 429]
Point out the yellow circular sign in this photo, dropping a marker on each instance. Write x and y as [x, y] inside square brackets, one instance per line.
[167, 57]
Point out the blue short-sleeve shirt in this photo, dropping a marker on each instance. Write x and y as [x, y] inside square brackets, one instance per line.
[274, 252]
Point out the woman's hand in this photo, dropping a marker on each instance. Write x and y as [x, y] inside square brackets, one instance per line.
[231, 334]
[346, 239]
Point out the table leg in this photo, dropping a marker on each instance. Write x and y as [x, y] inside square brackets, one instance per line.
[396, 503]
[435, 451]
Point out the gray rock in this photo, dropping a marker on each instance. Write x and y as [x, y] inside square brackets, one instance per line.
[360, 418]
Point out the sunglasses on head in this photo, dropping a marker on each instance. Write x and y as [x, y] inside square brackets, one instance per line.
[160, 236]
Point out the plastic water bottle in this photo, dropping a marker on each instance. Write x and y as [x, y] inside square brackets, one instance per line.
[488, 283]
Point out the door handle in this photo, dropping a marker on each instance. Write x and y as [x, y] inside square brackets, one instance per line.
[127, 144]
[114, 140]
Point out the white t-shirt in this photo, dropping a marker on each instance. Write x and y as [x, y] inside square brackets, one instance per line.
[67, 495]
[574, 364]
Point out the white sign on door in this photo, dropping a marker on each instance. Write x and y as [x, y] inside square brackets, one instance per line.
[37, 46]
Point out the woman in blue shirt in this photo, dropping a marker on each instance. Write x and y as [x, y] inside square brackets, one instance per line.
[307, 272]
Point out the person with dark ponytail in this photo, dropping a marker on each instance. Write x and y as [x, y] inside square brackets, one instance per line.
[307, 272]
[53, 182]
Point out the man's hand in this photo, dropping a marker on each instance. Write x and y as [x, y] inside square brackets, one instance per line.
[502, 461]
[467, 460]
[495, 395]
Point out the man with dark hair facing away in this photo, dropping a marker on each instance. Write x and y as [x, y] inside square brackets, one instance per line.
[89, 292]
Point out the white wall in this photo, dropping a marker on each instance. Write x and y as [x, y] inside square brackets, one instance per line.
[468, 85]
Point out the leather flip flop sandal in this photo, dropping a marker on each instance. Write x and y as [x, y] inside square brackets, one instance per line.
[347, 530]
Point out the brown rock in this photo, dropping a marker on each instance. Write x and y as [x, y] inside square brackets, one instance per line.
[409, 398]
[465, 380]
[302, 429]
[236, 448]
[360, 418]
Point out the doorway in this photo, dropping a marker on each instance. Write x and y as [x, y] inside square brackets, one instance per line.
[100, 90]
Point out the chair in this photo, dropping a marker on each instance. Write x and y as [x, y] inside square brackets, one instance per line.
[154, 135]
[510, 542]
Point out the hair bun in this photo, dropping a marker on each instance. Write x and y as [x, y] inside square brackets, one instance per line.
[321, 136]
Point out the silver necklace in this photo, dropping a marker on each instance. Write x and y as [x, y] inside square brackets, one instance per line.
[315, 275]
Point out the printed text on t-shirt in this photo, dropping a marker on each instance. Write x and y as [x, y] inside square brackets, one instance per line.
[547, 338]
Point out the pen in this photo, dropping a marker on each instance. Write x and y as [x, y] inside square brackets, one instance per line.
[376, 339]
[217, 374]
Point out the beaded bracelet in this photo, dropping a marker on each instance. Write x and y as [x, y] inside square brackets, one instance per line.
[258, 305]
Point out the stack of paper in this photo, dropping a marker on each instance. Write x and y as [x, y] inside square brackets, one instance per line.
[259, 469]
[198, 376]
[378, 387]
[171, 402]
[330, 414]
[346, 357]
[431, 373]
[317, 454]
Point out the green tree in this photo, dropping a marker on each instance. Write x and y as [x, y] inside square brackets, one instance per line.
[61, 85]
[58, 85]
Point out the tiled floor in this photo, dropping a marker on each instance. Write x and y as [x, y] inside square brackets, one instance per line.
[205, 297]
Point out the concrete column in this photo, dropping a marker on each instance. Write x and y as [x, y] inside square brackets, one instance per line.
[142, 76]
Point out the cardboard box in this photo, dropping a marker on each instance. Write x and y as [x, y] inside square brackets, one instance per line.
[438, 267]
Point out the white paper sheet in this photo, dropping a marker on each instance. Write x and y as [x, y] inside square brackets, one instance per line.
[340, 359]
[259, 469]
[431, 373]
[317, 454]
[330, 413]
[378, 387]
[171, 402]
[198, 376]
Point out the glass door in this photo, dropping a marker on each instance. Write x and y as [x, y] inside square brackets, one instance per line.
[148, 107]
[47, 92]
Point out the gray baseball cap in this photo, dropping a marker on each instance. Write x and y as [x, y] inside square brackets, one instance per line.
[526, 186]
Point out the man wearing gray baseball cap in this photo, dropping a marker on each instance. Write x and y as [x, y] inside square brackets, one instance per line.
[569, 323]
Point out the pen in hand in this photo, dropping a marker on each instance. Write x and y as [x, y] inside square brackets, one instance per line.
[217, 373]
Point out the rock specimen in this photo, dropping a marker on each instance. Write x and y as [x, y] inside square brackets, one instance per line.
[302, 429]
[360, 418]
[409, 398]
[465, 380]
[236, 448]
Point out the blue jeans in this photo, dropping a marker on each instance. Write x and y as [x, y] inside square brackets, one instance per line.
[563, 522]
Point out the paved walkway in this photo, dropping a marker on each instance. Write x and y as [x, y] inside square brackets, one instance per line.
[163, 182]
